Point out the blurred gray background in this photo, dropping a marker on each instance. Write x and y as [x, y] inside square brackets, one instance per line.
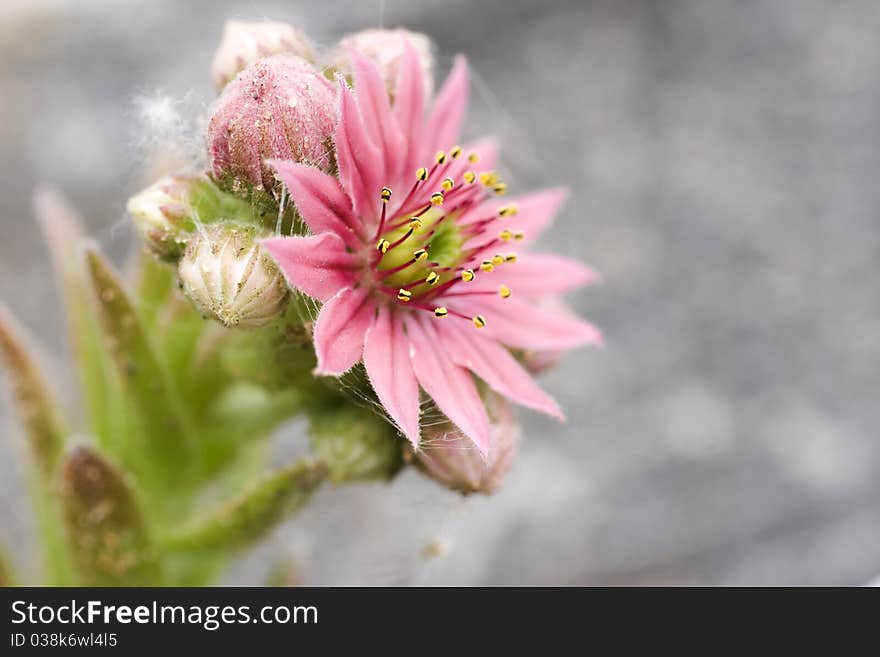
[724, 159]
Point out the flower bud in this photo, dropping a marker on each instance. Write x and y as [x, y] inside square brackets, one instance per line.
[385, 49]
[163, 216]
[279, 107]
[354, 443]
[244, 42]
[539, 362]
[451, 458]
[229, 277]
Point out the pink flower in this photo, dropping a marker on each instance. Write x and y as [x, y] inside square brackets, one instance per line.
[421, 283]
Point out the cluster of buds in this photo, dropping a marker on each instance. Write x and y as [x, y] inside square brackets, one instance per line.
[275, 102]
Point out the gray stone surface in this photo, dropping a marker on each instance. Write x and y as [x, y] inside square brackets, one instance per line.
[724, 160]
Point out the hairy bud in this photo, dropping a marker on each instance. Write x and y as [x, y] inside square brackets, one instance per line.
[163, 216]
[229, 277]
[451, 458]
[278, 108]
[244, 42]
[385, 48]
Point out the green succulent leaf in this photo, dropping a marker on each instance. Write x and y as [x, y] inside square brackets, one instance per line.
[167, 448]
[248, 518]
[108, 534]
[44, 432]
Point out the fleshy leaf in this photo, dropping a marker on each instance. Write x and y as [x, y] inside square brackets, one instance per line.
[63, 232]
[108, 535]
[44, 432]
[41, 418]
[256, 512]
[163, 427]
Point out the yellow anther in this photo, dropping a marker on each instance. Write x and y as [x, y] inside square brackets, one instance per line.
[386, 194]
[487, 177]
[473, 157]
[383, 245]
[415, 223]
[518, 235]
[467, 275]
[440, 312]
[479, 321]
[510, 257]
[437, 198]
[447, 184]
[421, 254]
[455, 151]
[469, 177]
[506, 234]
[433, 278]
[504, 291]
[500, 188]
[404, 295]
[440, 157]
[422, 173]
[487, 266]
[497, 259]
[508, 210]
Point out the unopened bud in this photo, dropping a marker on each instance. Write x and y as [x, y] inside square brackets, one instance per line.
[385, 49]
[163, 216]
[280, 107]
[244, 42]
[229, 277]
[539, 362]
[450, 457]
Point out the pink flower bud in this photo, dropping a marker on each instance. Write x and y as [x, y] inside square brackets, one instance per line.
[245, 42]
[451, 458]
[385, 48]
[278, 108]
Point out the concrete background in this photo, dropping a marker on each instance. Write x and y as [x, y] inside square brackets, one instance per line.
[724, 160]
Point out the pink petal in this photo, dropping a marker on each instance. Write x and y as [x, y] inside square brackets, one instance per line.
[409, 104]
[386, 358]
[537, 211]
[340, 330]
[319, 265]
[450, 386]
[537, 275]
[497, 367]
[376, 113]
[525, 325]
[535, 214]
[358, 159]
[444, 123]
[319, 199]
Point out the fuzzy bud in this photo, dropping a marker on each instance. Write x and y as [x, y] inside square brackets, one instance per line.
[244, 42]
[385, 49]
[279, 107]
[163, 216]
[450, 458]
[229, 277]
